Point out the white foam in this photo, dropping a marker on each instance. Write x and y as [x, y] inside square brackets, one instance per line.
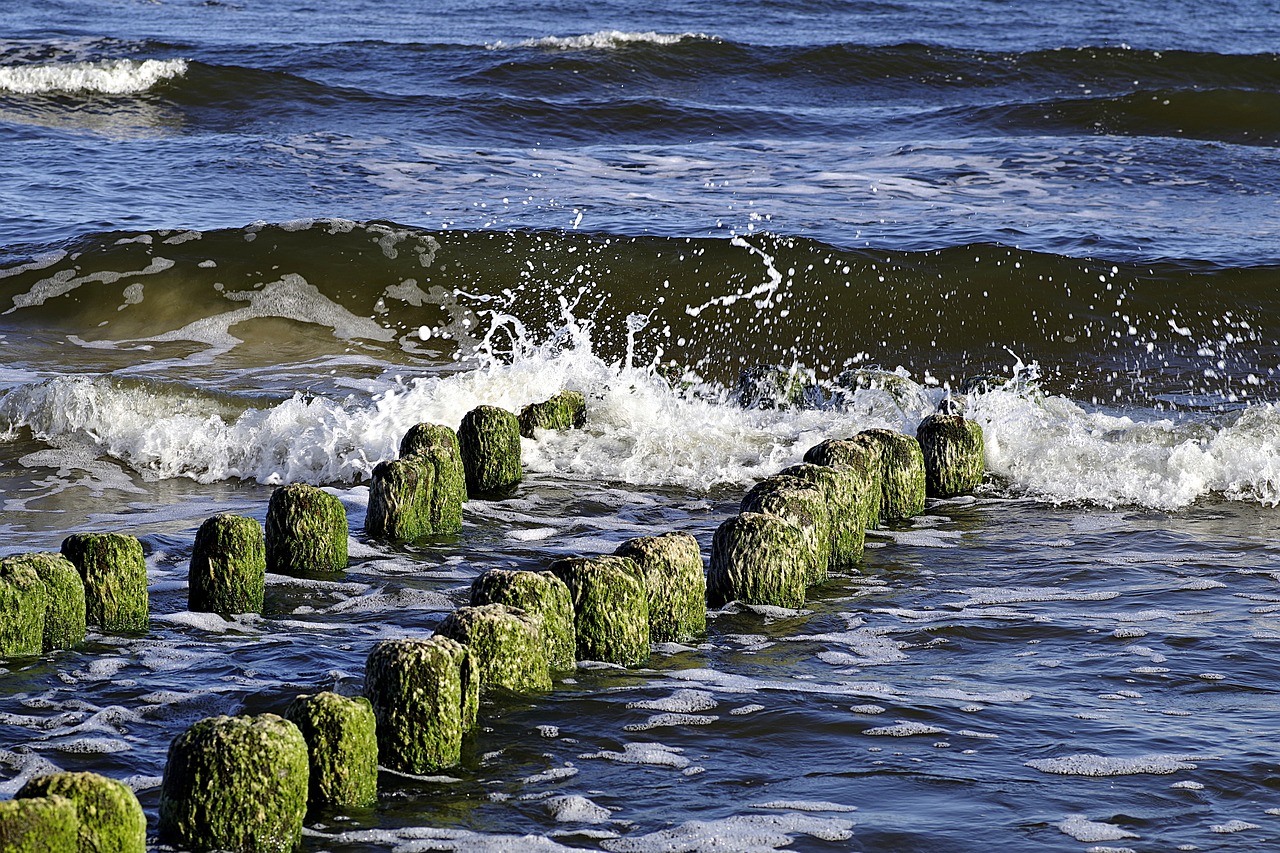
[744, 834]
[572, 808]
[665, 720]
[904, 728]
[680, 702]
[805, 806]
[603, 40]
[110, 77]
[653, 754]
[1103, 765]
[1233, 826]
[555, 774]
[1081, 828]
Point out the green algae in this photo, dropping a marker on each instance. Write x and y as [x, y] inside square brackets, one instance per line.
[506, 642]
[115, 580]
[610, 607]
[671, 565]
[425, 695]
[805, 506]
[342, 745]
[236, 783]
[902, 491]
[400, 500]
[489, 439]
[64, 615]
[306, 531]
[438, 447]
[39, 825]
[24, 601]
[844, 490]
[566, 410]
[228, 567]
[757, 559]
[110, 816]
[535, 592]
[953, 455]
[861, 457]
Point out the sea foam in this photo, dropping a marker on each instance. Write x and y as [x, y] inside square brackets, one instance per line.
[603, 40]
[108, 77]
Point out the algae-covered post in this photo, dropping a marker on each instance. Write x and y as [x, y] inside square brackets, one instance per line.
[845, 492]
[489, 438]
[861, 458]
[400, 500]
[110, 817]
[902, 470]
[671, 565]
[425, 695]
[237, 784]
[24, 600]
[437, 446]
[342, 742]
[306, 531]
[953, 454]
[757, 559]
[506, 642]
[39, 825]
[64, 614]
[566, 410]
[535, 592]
[114, 571]
[228, 567]
[610, 608]
[805, 506]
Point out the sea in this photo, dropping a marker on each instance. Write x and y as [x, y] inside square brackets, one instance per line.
[246, 243]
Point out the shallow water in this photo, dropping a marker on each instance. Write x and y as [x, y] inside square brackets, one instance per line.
[251, 244]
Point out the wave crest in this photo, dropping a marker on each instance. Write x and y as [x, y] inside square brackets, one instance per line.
[108, 77]
[605, 40]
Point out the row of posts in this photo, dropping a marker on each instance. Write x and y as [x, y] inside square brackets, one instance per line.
[244, 783]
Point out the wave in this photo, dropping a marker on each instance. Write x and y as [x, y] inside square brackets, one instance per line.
[604, 40]
[108, 77]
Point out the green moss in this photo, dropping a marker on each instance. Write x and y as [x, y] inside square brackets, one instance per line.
[438, 446]
[953, 454]
[110, 816]
[64, 615]
[38, 825]
[342, 742]
[236, 783]
[228, 566]
[24, 600]
[566, 410]
[805, 506]
[676, 584]
[902, 470]
[425, 694]
[400, 500]
[490, 442]
[306, 531]
[115, 580]
[861, 457]
[610, 608]
[506, 642]
[844, 490]
[536, 592]
[757, 559]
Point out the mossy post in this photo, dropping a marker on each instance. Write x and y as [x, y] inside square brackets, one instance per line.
[671, 565]
[425, 695]
[953, 455]
[306, 531]
[342, 742]
[902, 469]
[24, 600]
[566, 410]
[805, 506]
[844, 490]
[757, 559]
[228, 566]
[438, 447]
[862, 457]
[115, 580]
[400, 500]
[490, 442]
[39, 825]
[610, 608]
[236, 783]
[506, 642]
[64, 614]
[535, 592]
[110, 816]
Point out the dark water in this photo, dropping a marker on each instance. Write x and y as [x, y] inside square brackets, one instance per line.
[252, 243]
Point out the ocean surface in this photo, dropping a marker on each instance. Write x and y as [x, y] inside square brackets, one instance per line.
[252, 242]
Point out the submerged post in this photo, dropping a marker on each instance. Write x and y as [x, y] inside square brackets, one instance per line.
[228, 566]
[535, 592]
[902, 469]
[953, 454]
[489, 439]
[437, 446]
[671, 565]
[610, 607]
[306, 531]
[110, 817]
[115, 580]
[757, 559]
